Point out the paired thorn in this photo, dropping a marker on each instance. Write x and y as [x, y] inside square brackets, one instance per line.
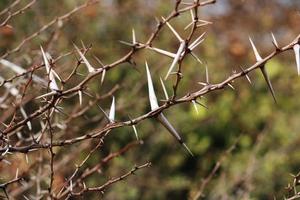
[173, 30]
[53, 85]
[176, 59]
[263, 70]
[161, 118]
[296, 48]
[274, 41]
[112, 111]
[86, 62]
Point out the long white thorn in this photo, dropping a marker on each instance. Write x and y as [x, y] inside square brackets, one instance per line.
[267, 79]
[86, 62]
[173, 30]
[133, 37]
[257, 56]
[25, 117]
[135, 132]
[274, 41]
[263, 70]
[206, 74]
[196, 57]
[163, 52]
[164, 89]
[163, 120]
[152, 96]
[46, 95]
[195, 106]
[297, 56]
[80, 97]
[103, 76]
[112, 111]
[196, 41]
[53, 85]
[178, 54]
[194, 46]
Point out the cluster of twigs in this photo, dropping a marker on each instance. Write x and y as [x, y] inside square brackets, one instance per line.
[46, 132]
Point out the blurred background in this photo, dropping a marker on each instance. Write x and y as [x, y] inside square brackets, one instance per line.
[266, 134]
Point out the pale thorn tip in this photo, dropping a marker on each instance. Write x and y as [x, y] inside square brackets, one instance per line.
[195, 42]
[173, 30]
[164, 88]
[188, 150]
[152, 96]
[46, 95]
[86, 62]
[195, 106]
[196, 57]
[206, 74]
[80, 97]
[163, 120]
[112, 111]
[231, 86]
[133, 37]
[296, 48]
[267, 79]
[274, 41]
[103, 76]
[178, 54]
[135, 132]
[257, 56]
[25, 116]
[163, 52]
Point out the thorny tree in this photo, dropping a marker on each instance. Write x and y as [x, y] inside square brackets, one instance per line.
[45, 105]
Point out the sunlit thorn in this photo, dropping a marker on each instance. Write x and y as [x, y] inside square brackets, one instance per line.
[53, 86]
[126, 43]
[86, 62]
[263, 70]
[206, 74]
[163, 52]
[193, 47]
[274, 41]
[201, 104]
[257, 56]
[196, 57]
[133, 37]
[266, 77]
[173, 30]
[103, 76]
[25, 117]
[46, 95]
[80, 97]
[98, 60]
[176, 59]
[135, 132]
[196, 42]
[195, 106]
[296, 48]
[26, 158]
[164, 89]
[106, 116]
[161, 118]
[112, 111]
[17, 173]
[152, 96]
[231, 86]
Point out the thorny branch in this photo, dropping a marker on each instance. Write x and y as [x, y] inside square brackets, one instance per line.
[50, 101]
